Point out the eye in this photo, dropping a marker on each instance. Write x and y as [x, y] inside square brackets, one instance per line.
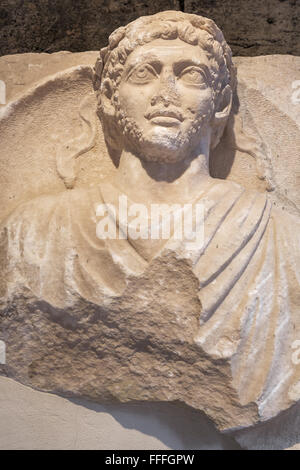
[142, 74]
[193, 76]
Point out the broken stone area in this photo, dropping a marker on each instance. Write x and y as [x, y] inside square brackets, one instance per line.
[138, 347]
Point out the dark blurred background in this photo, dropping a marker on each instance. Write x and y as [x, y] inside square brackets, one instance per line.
[251, 27]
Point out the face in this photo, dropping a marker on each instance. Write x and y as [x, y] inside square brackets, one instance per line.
[165, 100]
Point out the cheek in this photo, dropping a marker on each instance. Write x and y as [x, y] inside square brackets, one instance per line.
[199, 102]
[134, 101]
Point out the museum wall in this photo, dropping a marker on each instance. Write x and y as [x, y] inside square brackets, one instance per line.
[251, 28]
[36, 420]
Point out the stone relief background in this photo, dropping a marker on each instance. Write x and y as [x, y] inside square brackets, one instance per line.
[20, 72]
[251, 28]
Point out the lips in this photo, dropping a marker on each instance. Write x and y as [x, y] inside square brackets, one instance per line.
[165, 117]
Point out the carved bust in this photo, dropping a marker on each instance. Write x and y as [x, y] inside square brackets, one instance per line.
[229, 307]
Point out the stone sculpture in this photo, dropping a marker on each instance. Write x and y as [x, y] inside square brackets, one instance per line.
[135, 318]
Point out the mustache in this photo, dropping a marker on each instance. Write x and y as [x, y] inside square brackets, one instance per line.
[169, 112]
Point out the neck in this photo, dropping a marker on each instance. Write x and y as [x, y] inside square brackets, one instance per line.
[161, 183]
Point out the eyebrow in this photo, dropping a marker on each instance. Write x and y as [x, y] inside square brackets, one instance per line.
[178, 66]
[150, 58]
[182, 64]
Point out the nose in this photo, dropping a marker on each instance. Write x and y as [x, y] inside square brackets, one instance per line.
[167, 93]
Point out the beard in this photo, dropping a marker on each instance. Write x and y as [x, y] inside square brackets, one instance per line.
[163, 146]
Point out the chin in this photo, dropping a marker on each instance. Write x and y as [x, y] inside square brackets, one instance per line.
[164, 147]
[159, 144]
[162, 153]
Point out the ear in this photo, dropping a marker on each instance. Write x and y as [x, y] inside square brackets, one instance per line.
[219, 120]
[111, 131]
[106, 96]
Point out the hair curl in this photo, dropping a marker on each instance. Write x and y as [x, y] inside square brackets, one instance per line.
[192, 29]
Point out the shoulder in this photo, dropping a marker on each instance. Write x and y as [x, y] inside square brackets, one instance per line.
[45, 206]
[287, 222]
[34, 223]
[245, 196]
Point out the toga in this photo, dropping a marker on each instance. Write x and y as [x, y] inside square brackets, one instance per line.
[247, 272]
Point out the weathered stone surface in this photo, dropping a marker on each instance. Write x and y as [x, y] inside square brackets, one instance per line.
[251, 28]
[280, 433]
[141, 320]
[20, 72]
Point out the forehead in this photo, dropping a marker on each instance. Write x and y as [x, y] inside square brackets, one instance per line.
[167, 51]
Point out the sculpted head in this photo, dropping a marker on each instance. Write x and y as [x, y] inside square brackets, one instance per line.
[164, 86]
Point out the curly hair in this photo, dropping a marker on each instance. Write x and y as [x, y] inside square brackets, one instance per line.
[192, 29]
